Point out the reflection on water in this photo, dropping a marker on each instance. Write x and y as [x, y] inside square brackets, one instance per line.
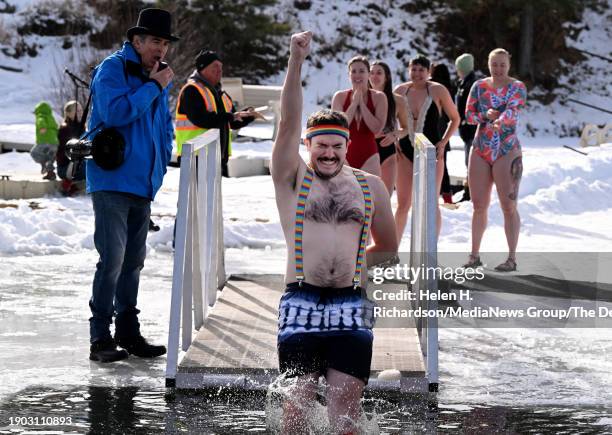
[101, 410]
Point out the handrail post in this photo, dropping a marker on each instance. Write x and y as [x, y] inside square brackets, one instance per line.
[416, 250]
[178, 269]
[220, 246]
[198, 259]
[188, 270]
[424, 249]
[431, 252]
[210, 283]
[199, 308]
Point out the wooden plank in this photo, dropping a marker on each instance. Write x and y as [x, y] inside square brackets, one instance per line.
[239, 336]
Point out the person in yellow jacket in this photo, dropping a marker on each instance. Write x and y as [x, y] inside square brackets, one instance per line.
[202, 104]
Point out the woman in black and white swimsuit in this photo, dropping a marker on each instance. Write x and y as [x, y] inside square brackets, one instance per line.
[425, 100]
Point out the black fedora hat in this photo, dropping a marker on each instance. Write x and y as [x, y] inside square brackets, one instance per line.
[152, 21]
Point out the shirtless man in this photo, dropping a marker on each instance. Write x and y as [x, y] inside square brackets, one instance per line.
[326, 211]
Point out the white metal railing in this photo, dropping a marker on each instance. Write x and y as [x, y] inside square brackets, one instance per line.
[199, 270]
[424, 249]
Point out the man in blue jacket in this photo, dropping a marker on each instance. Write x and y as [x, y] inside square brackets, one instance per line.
[129, 93]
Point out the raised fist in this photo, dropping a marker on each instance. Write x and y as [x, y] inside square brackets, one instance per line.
[300, 45]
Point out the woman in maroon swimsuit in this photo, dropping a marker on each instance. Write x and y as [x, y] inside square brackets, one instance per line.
[366, 110]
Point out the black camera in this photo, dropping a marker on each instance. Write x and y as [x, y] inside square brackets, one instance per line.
[78, 149]
[107, 148]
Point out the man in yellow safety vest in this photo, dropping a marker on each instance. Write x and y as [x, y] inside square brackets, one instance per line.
[202, 104]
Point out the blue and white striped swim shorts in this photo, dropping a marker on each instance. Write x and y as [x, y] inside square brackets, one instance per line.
[312, 309]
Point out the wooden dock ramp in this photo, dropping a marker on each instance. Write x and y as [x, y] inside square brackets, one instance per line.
[236, 346]
[235, 342]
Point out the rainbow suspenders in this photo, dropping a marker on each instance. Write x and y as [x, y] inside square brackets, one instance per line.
[299, 225]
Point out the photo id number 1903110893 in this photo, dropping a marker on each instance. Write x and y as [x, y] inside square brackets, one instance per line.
[39, 421]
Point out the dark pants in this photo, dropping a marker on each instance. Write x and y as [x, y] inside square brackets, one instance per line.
[67, 172]
[446, 186]
[467, 133]
[121, 226]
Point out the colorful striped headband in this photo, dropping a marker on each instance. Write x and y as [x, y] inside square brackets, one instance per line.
[327, 129]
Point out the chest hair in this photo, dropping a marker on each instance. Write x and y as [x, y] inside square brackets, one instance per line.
[336, 202]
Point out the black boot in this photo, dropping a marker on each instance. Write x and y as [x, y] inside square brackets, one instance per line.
[106, 351]
[138, 346]
[466, 195]
[152, 227]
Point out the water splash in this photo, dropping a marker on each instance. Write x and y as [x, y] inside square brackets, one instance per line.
[315, 412]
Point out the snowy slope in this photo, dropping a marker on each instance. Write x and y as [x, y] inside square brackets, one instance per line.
[589, 82]
[358, 27]
[40, 75]
[392, 34]
[342, 29]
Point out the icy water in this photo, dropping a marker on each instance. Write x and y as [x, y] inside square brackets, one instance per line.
[104, 410]
[513, 381]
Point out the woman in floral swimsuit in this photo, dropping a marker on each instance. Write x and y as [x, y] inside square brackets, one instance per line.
[494, 105]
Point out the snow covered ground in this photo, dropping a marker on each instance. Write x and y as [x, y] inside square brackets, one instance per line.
[398, 37]
[566, 200]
